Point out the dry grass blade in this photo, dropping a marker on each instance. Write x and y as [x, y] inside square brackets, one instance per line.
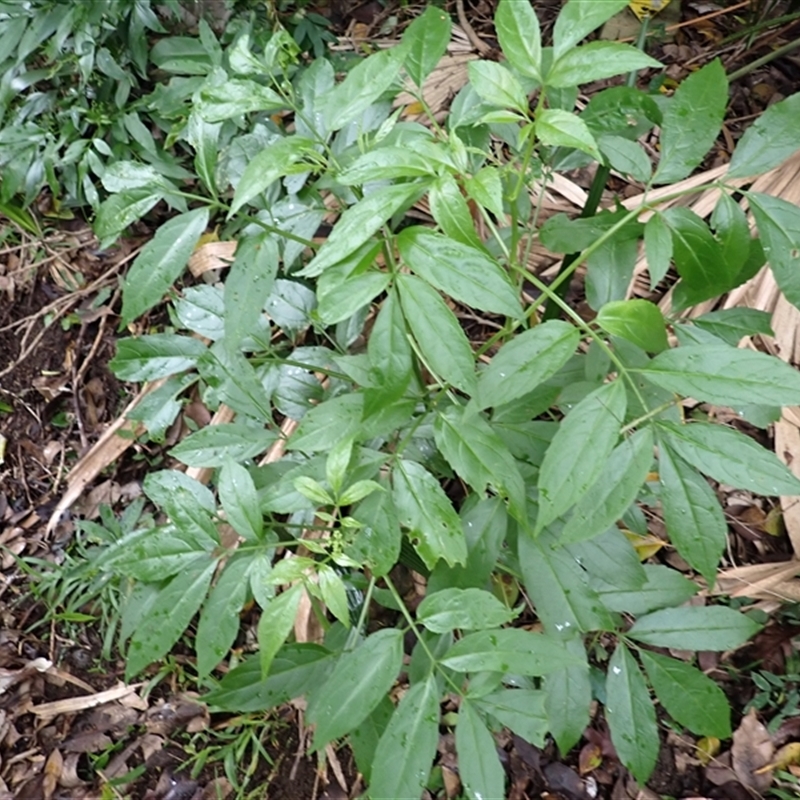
[106, 450]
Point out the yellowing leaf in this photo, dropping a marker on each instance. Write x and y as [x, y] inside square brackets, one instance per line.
[647, 8]
[645, 546]
[413, 109]
[707, 748]
[787, 756]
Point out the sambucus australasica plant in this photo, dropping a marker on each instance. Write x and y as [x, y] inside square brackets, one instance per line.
[552, 441]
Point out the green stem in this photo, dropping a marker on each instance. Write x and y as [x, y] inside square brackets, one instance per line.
[760, 26]
[362, 617]
[759, 62]
[415, 629]
[562, 305]
[592, 248]
[649, 415]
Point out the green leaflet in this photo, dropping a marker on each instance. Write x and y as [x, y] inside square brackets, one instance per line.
[479, 455]
[358, 223]
[161, 262]
[497, 85]
[364, 84]
[694, 518]
[691, 122]
[521, 710]
[725, 375]
[169, 615]
[470, 609]
[560, 128]
[689, 696]
[520, 38]
[559, 589]
[595, 61]
[526, 361]
[464, 273]
[358, 682]
[730, 457]
[568, 697]
[732, 324]
[277, 621]
[769, 141]
[779, 225]
[239, 499]
[631, 715]
[248, 285]
[219, 619]
[437, 333]
[389, 353]
[212, 445]
[508, 650]
[578, 18]
[294, 668]
[638, 321]
[147, 358]
[662, 587]
[626, 157]
[481, 773]
[658, 248]
[451, 212]
[694, 628]
[424, 509]
[579, 449]
[616, 489]
[698, 257]
[279, 158]
[426, 38]
[406, 750]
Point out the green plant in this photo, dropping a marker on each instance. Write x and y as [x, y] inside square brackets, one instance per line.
[509, 475]
[78, 587]
[84, 85]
